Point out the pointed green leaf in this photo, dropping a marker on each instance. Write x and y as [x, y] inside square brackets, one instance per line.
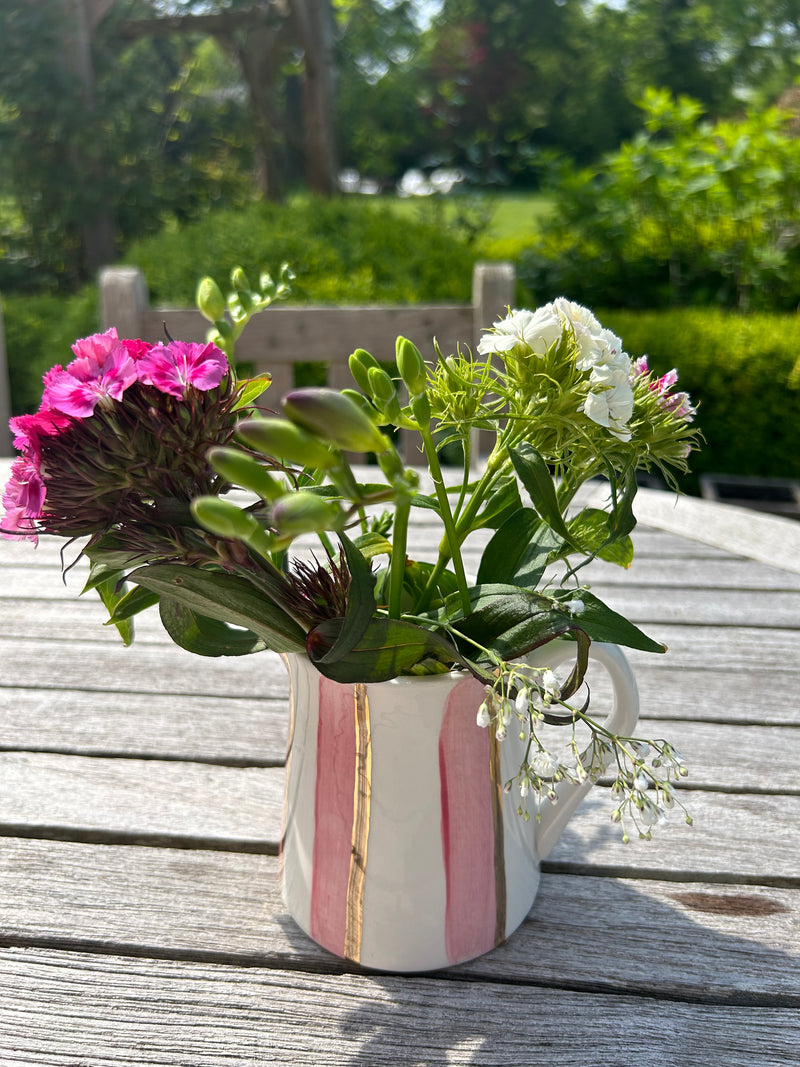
[504, 502]
[131, 603]
[110, 552]
[360, 603]
[373, 544]
[535, 476]
[622, 520]
[252, 390]
[387, 648]
[100, 573]
[517, 553]
[226, 597]
[603, 624]
[511, 621]
[590, 529]
[111, 594]
[204, 636]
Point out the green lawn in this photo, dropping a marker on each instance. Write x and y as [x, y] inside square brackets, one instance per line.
[510, 219]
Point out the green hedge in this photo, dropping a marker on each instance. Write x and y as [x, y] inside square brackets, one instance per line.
[39, 330]
[738, 370]
[342, 251]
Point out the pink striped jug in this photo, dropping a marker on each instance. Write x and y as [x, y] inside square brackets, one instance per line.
[400, 849]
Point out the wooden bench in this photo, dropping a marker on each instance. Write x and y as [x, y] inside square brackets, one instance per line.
[279, 339]
[283, 336]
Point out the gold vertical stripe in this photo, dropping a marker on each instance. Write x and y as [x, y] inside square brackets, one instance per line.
[288, 763]
[499, 845]
[362, 796]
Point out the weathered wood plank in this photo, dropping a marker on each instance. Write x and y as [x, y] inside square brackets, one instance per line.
[141, 799]
[601, 933]
[162, 667]
[253, 730]
[104, 1011]
[144, 668]
[35, 600]
[79, 798]
[246, 730]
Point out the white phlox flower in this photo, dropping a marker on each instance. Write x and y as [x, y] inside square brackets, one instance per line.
[538, 330]
[611, 408]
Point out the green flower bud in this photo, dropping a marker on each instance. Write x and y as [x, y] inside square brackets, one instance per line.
[239, 279]
[360, 363]
[412, 366]
[285, 441]
[209, 300]
[303, 512]
[335, 418]
[223, 518]
[240, 469]
[366, 405]
[381, 385]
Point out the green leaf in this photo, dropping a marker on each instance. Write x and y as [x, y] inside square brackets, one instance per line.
[252, 390]
[111, 594]
[590, 529]
[226, 597]
[538, 481]
[510, 621]
[387, 648]
[603, 624]
[100, 573]
[517, 553]
[131, 603]
[504, 502]
[373, 544]
[360, 603]
[205, 636]
[622, 520]
[109, 551]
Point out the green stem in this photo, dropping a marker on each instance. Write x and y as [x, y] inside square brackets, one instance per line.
[466, 445]
[397, 566]
[451, 535]
[494, 465]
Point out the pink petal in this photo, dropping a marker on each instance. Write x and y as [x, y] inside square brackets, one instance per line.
[172, 368]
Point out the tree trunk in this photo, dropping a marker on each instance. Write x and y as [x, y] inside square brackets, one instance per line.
[98, 231]
[258, 50]
[313, 21]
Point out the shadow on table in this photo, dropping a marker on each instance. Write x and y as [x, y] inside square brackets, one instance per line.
[602, 971]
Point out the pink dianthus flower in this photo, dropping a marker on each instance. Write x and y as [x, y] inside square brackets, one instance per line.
[174, 367]
[103, 368]
[23, 499]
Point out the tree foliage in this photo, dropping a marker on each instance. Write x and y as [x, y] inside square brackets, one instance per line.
[687, 212]
[135, 138]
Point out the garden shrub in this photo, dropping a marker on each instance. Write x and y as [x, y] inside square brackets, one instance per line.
[39, 329]
[739, 370]
[688, 213]
[342, 251]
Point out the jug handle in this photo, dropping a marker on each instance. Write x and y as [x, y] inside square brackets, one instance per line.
[622, 720]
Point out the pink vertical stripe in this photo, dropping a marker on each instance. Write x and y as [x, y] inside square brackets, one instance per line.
[467, 826]
[333, 812]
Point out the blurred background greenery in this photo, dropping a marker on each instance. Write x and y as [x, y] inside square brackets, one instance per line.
[641, 157]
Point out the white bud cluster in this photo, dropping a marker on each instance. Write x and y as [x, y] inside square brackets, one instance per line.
[643, 789]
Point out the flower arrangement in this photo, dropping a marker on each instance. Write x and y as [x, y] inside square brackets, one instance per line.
[136, 448]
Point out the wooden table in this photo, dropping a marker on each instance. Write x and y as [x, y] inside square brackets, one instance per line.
[140, 802]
